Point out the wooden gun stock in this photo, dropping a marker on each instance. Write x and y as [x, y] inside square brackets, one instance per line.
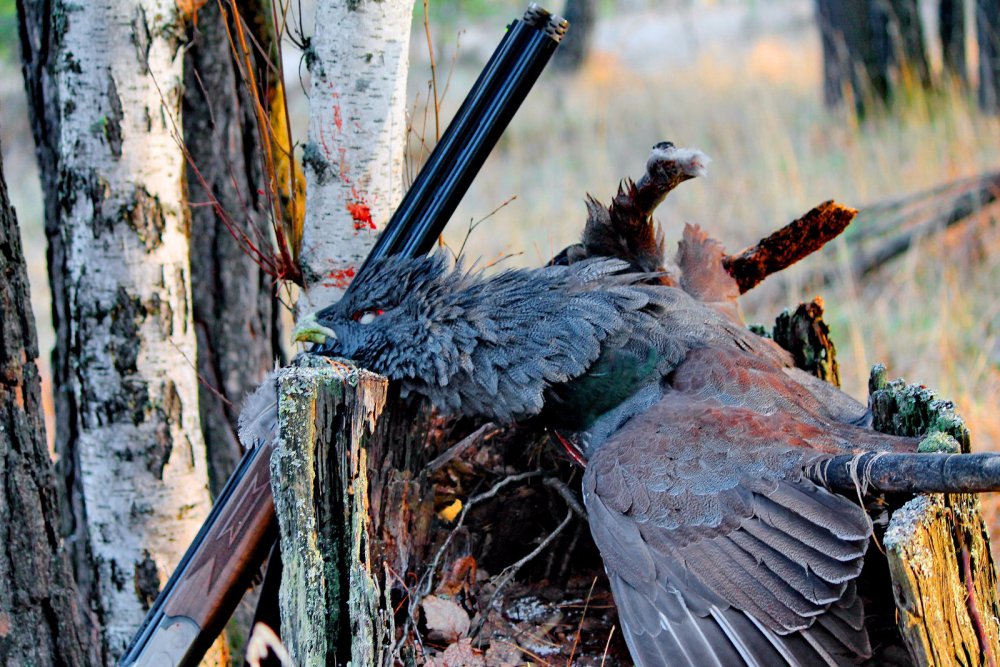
[229, 549]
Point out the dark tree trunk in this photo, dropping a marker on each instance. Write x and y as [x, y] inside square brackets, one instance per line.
[849, 59]
[37, 56]
[951, 30]
[573, 51]
[868, 45]
[41, 620]
[988, 35]
[235, 309]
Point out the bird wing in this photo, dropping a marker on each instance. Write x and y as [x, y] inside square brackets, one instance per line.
[718, 552]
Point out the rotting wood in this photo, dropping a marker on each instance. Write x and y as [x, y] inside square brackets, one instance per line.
[350, 514]
[944, 580]
[805, 334]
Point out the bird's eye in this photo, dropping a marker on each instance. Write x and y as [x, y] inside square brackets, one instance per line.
[366, 316]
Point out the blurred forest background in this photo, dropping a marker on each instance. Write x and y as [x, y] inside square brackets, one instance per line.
[743, 80]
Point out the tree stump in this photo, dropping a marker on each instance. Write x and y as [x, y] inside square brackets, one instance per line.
[350, 512]
[369, 571]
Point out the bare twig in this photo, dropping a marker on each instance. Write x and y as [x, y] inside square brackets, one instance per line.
[560, 487]
[583, 617]
[481, 434]
[434, 83]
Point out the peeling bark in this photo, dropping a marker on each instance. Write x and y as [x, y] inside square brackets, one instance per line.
[357, 135]
[105, 86]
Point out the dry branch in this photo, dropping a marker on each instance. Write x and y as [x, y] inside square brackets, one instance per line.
[884, 231]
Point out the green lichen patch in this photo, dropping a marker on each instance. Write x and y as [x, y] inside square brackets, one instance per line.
[937, 442]
[912, 410]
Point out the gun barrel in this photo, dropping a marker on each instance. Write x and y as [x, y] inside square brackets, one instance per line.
[908, 473]
[456, 159]
[229, 549]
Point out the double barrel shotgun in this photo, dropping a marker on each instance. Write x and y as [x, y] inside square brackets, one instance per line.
[241, 528]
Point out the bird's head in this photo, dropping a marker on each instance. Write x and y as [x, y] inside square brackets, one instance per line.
[675, 165]
[390, 320]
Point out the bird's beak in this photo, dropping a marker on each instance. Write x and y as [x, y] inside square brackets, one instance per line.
[309, 330]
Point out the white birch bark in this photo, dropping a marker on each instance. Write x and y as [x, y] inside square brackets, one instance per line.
[357, 136]
[139, 462]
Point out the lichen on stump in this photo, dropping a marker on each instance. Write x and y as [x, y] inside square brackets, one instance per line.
[319, 468]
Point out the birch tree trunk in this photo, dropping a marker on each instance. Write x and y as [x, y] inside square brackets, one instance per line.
[41, 620]
[357, 134]
[105, 83]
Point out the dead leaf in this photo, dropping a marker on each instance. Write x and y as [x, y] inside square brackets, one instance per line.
[459, 654]
[450, 513]
[445, 619]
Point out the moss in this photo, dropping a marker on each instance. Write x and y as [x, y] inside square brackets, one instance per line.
[938, 443]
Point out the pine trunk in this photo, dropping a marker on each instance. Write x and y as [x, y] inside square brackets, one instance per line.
[41, 620]
[105, 82]
[357, 136]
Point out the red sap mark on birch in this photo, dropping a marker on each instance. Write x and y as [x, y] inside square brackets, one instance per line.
[344, 167]
[338, 119]
[361, 214]
[340, 278]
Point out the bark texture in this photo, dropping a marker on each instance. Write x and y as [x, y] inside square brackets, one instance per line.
[235, 309]
[937, 546]
[41, 620]
[357, 135]
[105, 84]
[945, 581]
